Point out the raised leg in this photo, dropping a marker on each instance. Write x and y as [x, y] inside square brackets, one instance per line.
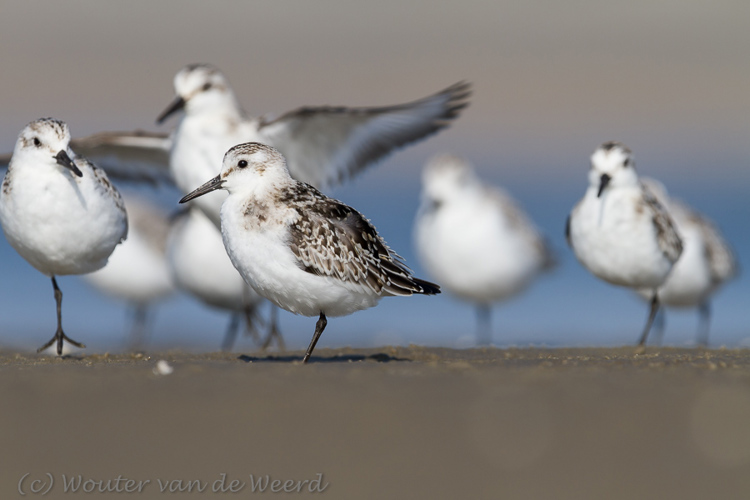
[273, 330]
[319, 327]
[704, 312]
[484, 327]
[231, 335]
[651, 316]
[59, 334]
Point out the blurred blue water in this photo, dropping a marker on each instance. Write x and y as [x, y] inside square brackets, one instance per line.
[565, 307]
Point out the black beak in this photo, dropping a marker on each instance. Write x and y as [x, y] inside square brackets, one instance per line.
[174, 107]
[64, 160]
[211, 185]
[603, 184]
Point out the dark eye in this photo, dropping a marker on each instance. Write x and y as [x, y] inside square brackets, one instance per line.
[37, 142]
[206, 86]
[242, 164]
[627, 162]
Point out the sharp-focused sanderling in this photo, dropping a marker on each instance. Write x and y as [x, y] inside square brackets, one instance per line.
[59, 211]
[305, 252]
[706, 263]
[474, 240]
[201, 267]
[137, 270]
[619, 231]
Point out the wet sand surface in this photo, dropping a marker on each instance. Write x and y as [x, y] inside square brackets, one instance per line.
[382, 423]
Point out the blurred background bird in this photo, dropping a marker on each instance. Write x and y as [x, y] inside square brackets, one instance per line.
[474, 240]
[137, 271]
[707, 262]
[620, 232]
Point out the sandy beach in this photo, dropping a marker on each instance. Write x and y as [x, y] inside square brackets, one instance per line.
[383, 423]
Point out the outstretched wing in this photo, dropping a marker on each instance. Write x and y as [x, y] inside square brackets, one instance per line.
[332, 239]
[137, 156]
[326, 145]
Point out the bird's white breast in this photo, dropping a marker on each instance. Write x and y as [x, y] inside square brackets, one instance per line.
[472, 249]
[201, 266]
[61, 224]
[614, 237]
[259, 249]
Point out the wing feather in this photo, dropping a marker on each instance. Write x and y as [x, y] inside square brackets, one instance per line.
[324, 146]
[137, 156]
[722, 261]
[667, 237]
[332, 239]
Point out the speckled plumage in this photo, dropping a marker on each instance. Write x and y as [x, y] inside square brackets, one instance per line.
[305, 252]
[619, 230]
[706, 262]
[332, 239]
[667, 236]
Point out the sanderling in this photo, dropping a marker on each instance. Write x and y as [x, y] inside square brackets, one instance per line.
[706, 263]
[137, 271]
[305, 252]
[201, 267]
[59, 211]
[619, 231]
[474, 240]
[323, 145]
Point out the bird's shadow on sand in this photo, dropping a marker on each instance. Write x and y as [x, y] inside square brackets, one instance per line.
[379, 357]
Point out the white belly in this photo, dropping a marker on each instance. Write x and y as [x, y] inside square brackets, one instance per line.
[617, 243]
[60, 224]
[474, 255]
[265, 261]
[200, 264]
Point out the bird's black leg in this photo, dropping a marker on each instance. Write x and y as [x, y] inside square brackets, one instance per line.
[705, 320]
[59, 334]
[252, 318]
[484, 327]
[138, 331]
[231, 335]
[273, 330]
[319, 327]
[651, 316]
[659, 326]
